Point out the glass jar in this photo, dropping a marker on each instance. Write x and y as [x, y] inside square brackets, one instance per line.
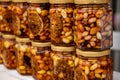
[9, 55]
[1, 48]
[38, 20]
[63, 59]
[20, 22]
[93, 65]
[93, 25]
[61, 22]
[23, 47]
[6, 16]
[42, 63]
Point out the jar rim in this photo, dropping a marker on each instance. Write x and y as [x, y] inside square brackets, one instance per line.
[91, 1]
[61, 48]
[5, 0]
[8, 36]
[41, 44]
[92, 53]
[38, 1]
[19, 0]
[60, 1]
[19, 39]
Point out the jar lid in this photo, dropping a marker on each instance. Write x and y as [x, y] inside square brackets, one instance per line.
[5, 0]
[19, 39]
[8, 36]
[19, 0]
[38, 1]
[60, 1]
[39, 44]
[91, 1]
[61, 48]
[92, 54]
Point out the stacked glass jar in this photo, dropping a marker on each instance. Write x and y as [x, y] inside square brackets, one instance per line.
[93, 36]
[61, 22]
[38, 20]
[6, 16]
[9, 55]
[8, 39]
[23, 54]
[42, 64]
[39, 33]
[19, 18]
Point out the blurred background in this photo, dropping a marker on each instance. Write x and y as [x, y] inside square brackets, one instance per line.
[116, 35]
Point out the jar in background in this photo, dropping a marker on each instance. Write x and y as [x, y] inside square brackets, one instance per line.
[9, 55]
[6, 16]
[42, 63]
[1, 48]
[20, 22]
[93, 25]
[61, 22]
[63, 60]
[38, 20]
[23, 47]
[93, 65]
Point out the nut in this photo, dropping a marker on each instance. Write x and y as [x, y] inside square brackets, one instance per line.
[88, 37]
[94, 66]
[65, 40]
[85, 33]
[99, 35]
[86, 70]
[92, 20]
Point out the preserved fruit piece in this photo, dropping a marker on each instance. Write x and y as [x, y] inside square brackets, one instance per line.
[38, 21]
[9, 55]
[93, 29]
[23, 47]
[20, 21]
[61, 22]
[93, 65]
[63, 59]
[42, 63]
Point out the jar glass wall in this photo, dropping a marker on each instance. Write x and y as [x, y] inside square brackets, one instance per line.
[61, 22]
[42, 63]
[9, 55]
[23, 47]
[93, 26]
[1, 48]
[39, 23]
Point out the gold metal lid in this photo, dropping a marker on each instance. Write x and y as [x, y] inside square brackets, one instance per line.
[19, 0]
[18, 39]
[38, 1]
[5, 0]
[61, 48]
[91, 1]
[8, 36]
[39, 44]
[60, 1]
[92, 54]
